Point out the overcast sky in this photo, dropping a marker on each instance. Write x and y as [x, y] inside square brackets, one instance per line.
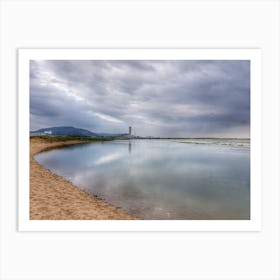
[158, 98]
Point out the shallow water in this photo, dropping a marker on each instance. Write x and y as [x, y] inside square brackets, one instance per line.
[162, 179]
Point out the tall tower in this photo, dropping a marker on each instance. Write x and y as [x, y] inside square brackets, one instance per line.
[129, 131]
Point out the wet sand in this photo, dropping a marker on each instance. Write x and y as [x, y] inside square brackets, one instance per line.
[54, 198]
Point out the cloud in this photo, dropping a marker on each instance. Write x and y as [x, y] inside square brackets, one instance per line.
[161, 98]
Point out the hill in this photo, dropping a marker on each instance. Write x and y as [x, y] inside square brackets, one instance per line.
[71, 131]
[64, 131]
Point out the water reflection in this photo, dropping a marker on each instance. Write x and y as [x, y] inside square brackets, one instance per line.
[161, 179]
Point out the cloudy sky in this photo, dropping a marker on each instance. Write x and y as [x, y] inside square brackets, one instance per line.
[189, 98]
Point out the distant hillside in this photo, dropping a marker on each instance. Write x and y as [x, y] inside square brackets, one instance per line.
[71, 131]
[64, 131]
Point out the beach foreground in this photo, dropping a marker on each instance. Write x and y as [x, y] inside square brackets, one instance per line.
[54, 198]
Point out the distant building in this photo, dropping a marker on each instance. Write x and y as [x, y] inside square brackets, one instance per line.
[36, 134]
[129, 131]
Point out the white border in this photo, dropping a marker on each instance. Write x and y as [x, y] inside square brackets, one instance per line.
[254, 55]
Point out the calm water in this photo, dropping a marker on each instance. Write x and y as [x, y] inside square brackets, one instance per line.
[162, 179]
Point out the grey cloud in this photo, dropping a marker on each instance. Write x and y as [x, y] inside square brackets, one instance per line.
[164, 98]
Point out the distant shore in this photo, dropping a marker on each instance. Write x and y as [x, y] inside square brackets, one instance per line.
[54, 198]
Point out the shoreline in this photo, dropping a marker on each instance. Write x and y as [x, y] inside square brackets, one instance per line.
[54, 198]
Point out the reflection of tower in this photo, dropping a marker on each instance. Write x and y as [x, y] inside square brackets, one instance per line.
[129, 147]
[129, 132]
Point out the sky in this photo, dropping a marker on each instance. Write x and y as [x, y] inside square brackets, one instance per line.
[165, 98]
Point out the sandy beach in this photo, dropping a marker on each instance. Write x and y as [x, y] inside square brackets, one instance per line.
[54, 198]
